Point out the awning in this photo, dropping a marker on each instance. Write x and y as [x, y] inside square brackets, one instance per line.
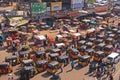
[102, 13]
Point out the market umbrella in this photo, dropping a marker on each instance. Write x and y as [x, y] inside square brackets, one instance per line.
[67, 20]
[17, 41]
[104, 22]
[86, 20]
[93, 22]
[42, 23]
[76, 20]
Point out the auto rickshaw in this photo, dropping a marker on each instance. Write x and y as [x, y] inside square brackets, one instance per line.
[109, 41]
[99, 41]
[41, 65]
[92, 39]
[99, 55]
[90, 52]
[100, 47]
[40, 55]
[56, 51]
[28, 62]
[80, 43]
[73, 53]
[100, 36]
[13, 60]
[108, 32]
[53, 57]
[59, 38]
[53, 67]
[28, 72]
[5, 68]
[83, 60]
[108, 49]
[89, 45]
[23, 55]
[82, 50]
[63, 60]
[111, 35]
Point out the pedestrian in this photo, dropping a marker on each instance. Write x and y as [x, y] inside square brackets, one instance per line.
[72, 64]
[62, 67]
[110, 77]
[98, 74]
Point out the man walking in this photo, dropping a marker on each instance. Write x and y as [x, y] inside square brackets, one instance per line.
[62, 68]
[72, 64]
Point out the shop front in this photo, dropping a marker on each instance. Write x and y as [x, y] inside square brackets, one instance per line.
[102, 11]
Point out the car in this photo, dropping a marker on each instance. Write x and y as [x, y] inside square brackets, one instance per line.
[113, 57]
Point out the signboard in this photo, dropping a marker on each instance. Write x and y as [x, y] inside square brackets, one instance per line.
[77, 4]
[38, 7]
[74, 14]
[56, 6]
[101, 9]
[60, 14]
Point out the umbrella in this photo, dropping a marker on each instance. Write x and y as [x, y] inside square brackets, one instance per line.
[67, 20]
[42, 23]
[104, 22]
[93, 22]
[86, 20]
[17, 41]
[76, 20]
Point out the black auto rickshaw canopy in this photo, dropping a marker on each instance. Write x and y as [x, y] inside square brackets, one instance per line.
[27, 62]
[7, 59]
[100, 36]
[90, 51]
[54, 55]
[62, 58]
[41, 62]
[99, 41]
[83, 48]
[82, 42]
[101, 45]
[108, 47]
[111, 35]
[118, 32]
[89, 44]
[84, 57]
[55, 50]
[40, 53]
[53, 64]
[27, 68]
[114, 30]
[109, 39]
[99, 52]
[91, 39]
[4, 64]
[108, 32]
[22, 53]
[73, 50]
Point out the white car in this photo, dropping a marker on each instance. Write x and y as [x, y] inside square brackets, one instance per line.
[113, 57]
